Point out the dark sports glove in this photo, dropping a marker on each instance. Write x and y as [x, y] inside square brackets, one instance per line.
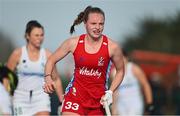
[149, 108]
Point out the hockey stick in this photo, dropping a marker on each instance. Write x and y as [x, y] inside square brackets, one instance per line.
[106, 106]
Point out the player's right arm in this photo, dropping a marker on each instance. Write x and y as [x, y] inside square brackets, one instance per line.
[65, 48]
[14, 59]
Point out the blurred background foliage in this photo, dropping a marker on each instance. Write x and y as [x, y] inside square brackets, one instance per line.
[160, 35]
[6, 46]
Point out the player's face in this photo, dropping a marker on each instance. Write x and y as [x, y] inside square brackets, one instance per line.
[36, 37]
[95, 25]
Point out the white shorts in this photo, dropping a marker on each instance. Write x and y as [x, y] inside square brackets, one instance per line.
[30, 102]
[132, 105]
[5, 101]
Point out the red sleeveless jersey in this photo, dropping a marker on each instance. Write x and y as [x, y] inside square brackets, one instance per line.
[90, 71]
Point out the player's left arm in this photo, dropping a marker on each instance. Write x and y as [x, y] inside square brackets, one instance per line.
[116, 56]
[117, 59]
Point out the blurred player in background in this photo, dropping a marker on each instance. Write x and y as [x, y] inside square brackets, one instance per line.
[29, 62]
[128, 98]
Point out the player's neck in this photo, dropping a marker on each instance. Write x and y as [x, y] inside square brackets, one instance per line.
[93, 40]
[31, 48]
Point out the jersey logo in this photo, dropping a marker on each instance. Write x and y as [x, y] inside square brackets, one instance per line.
[89, 72]
[24, 61]
[101, 61]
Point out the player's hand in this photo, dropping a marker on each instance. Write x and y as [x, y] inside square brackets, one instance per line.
[49, 85]
[107, 97]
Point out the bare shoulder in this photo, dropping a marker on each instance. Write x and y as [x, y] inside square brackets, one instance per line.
[136, 68]
[112, 43]
[113, 46]
[139, 73]
[17, 53]
[71, 43]
[73, 40]
[14, 58]
[67, 44]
